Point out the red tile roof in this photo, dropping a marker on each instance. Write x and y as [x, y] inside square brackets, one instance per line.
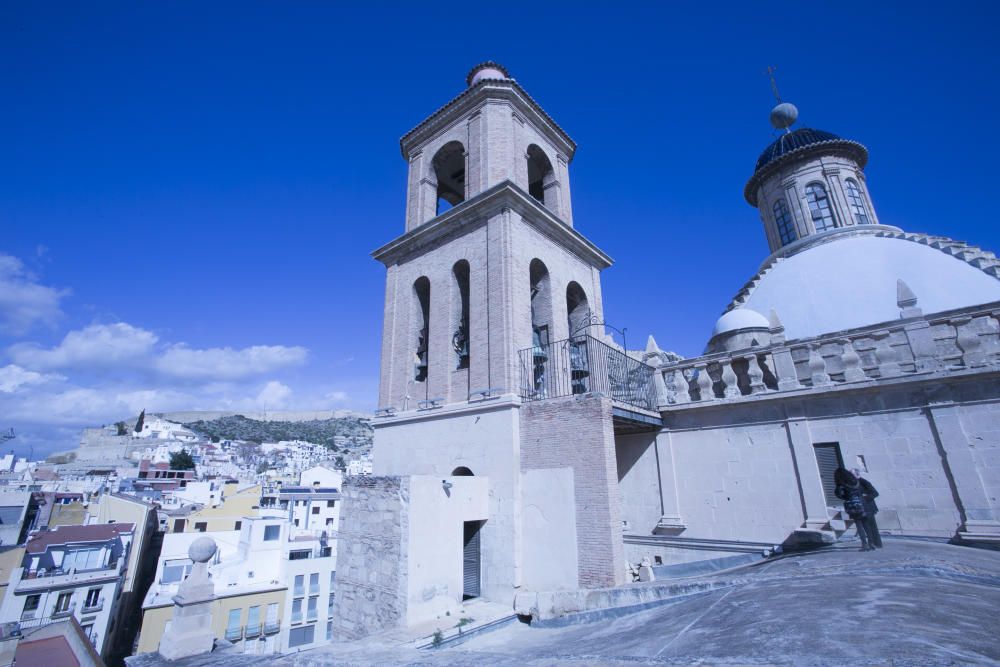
[46, 653]
[98, 532]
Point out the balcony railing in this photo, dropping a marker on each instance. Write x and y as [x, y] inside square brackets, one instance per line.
[253, 631]
[234, 634]
[582, 365]
[272, 627]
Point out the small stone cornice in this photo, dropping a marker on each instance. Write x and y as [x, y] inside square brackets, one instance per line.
[476, 211]
[471, 98]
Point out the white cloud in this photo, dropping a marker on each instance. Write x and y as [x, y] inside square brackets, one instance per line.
[274, 395]
[122, 346]
[337, 397]
[226, 363]
[96, 345]
[23, 302]
[13, 377]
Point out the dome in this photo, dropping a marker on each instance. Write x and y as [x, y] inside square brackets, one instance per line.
[739, 319]
[850, 282]
[791, 142]
[486, 70]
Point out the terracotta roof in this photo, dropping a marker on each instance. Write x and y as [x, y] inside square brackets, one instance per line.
[98, 532]
[45, 653]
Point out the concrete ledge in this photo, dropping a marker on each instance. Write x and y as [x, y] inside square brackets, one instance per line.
[547, 606]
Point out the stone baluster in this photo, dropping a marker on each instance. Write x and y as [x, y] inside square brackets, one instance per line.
[817, 367]
[852, 362]
[679, 385]
[704, 383]
[784, 369]
[756, 375]
[731, 389]
[968, 342]
[888, 358]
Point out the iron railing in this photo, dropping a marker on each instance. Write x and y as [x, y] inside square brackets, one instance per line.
[584, 364]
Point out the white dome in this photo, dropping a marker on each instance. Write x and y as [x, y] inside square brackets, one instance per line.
[738, 319]
[850, 282]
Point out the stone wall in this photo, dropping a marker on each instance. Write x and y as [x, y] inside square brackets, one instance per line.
[371, 582]
[577, 433]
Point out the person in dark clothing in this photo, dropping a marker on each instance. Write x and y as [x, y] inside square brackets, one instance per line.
[848, 489]
[868, 494]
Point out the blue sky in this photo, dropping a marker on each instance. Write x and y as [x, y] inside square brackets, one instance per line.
[189, 192]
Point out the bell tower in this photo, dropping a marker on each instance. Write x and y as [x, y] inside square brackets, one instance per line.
[489, 268]
[489, 234]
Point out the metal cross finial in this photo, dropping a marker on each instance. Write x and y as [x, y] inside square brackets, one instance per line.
[774, 84]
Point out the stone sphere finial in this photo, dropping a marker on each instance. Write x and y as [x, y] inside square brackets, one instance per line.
[783, 115]
[202, 550]
[486, 70]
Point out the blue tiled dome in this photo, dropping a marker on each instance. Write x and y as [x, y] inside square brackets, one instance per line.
[793, 141]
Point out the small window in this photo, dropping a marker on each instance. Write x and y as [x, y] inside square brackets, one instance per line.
[315, 510]
[314, 583]
[329, 631]
[300, 580]
[819, 207]
[329, 521]
[31, 603]
[857, 202]
[175, 570]
[783, 221]
[271, 533]
[238, 525]
[311, 613]
[301, 636]
[201, 526]
[331, 503]
[297, 610]
[62, 602]
[93, 597]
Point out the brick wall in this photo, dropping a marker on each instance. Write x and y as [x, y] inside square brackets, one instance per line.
[577, 432]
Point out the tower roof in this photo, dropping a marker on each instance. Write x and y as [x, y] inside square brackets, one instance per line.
[803, 142]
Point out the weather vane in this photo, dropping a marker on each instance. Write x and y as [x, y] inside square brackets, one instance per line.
[774, 84]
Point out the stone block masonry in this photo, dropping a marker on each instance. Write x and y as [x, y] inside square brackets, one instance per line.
[577, 432]
[374, 527]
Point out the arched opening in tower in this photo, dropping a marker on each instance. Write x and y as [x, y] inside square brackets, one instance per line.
[449, 170]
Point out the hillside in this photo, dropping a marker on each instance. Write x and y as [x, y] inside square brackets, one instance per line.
[352, 434]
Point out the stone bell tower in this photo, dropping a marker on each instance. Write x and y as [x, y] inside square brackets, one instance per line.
[475, 493]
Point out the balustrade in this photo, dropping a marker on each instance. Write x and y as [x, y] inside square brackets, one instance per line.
[956, 341]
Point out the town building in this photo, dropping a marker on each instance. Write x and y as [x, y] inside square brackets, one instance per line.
[74, 571]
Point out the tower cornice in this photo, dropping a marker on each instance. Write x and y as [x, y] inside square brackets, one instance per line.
[475, 212]
[478, 95]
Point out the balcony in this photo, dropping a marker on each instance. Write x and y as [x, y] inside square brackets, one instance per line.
[583, 365]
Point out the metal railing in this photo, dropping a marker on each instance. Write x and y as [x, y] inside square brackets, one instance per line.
[272, 627]
[234, 634]
[582, 365]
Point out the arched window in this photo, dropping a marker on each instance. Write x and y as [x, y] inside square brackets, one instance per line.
[783, 221]
[577, 309]
[421, 329]
[460, 313]
[449, 171]
[819, 207]
[540, 176]
[856, 202]
[461, 471]
[541, 320]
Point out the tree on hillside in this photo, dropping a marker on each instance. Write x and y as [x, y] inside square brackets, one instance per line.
[141, 421]
[181, 460]
[122, 428]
